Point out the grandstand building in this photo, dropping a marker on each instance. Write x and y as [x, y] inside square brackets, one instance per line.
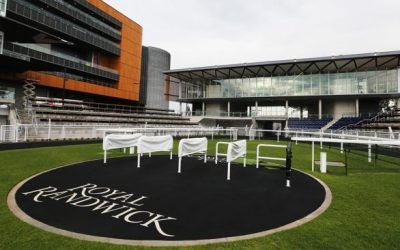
[78, 61]
[312, 93]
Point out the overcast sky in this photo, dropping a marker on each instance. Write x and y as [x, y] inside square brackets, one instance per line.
[215, 32]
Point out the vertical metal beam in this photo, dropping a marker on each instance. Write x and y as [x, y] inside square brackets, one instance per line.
[229, 109]
[358, 107]
[287, 109]
[320, 109]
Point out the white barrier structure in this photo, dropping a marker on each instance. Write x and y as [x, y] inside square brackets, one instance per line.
[260, 146]
[190, 147]
[176, 132]
[370, 142]
[235, 151]
[152, 144]
[118, 141]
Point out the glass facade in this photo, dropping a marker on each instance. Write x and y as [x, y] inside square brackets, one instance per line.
[7, 94]
[351, 83]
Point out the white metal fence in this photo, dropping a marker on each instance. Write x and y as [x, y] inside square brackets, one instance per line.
[25, 133]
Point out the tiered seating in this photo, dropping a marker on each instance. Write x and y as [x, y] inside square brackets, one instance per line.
[381, 122]
[344, 122]
[85, 113]
[308, 123]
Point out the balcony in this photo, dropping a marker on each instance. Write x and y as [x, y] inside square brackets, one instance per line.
[61, 61]
[99, 13]
[80, 16]
[33, 15]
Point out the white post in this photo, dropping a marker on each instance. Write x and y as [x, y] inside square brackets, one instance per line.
[312, 155]
[244, 161]
[321, 136]
[16, 133]
[204, 109]
[205, 157]
[369, 153]
[229, 171]
[170, 156]
[257, 157]
[216, 155]
[49, 131]
[179, 164]
[229, 109]
[149, 155]
[26, 133]
[138, 160]
[105, 156]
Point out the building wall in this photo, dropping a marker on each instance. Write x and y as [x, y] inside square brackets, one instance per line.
[337, 108]
[128, 64]
[155, 62]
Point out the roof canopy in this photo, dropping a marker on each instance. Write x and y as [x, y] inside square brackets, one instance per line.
[342, 63]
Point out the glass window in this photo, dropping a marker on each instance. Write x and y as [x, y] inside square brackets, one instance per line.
[324, 84]
[381, 82]
[7, 94]
[371, 82]
[315, 84]
[393, 81]
[307, 84]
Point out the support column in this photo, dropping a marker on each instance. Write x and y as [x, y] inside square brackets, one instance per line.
[287, 109]
[229, 109]
[256, 113]
[287, 115]
[358, 107]
[320, 109]
[203, 109]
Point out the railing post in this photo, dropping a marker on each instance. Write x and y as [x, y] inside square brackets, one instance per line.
[16, 133]
[26, 133]
[321, 136]
[49, 131]
[289, 157]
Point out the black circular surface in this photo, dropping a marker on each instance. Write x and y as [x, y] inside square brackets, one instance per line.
[195, 205]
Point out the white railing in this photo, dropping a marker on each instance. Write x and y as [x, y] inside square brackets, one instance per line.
[50, 132]
[24, 133]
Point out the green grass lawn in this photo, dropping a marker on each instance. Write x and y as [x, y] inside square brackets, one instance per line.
[365, 211]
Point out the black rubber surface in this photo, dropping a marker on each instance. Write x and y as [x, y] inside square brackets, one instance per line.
[29, 145]
[204, 203]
